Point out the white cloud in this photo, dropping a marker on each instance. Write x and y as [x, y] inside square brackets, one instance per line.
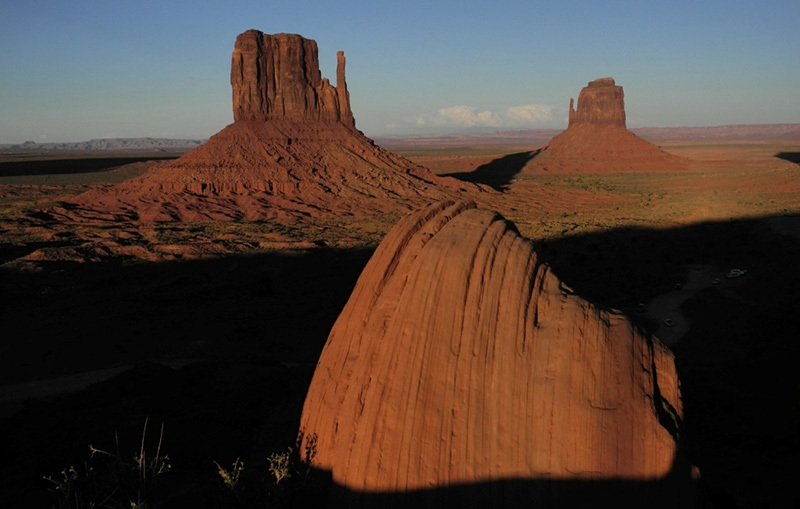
[464, 116]
[527, 115]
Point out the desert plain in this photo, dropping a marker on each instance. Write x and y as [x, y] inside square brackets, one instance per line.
[213, 328]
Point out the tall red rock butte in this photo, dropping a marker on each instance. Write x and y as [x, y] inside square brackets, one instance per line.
[602, 102]
[277, 77]
[292, 151]
[463, 373]
[597, 140]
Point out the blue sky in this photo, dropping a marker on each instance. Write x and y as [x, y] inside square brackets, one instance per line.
[75, 70]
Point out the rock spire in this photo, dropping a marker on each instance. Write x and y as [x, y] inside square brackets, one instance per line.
[463, 373]
[277, 77]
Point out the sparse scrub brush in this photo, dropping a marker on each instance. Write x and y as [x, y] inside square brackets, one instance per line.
[108, 480]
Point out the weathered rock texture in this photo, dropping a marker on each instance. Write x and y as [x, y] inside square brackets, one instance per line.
[271, 171]
[293, 151]
[597, 140]
[278, 77]
[602, 102]
[461, 371]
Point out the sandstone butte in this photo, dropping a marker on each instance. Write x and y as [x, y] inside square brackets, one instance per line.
[597, 140]
[463, 373]
[293, 150]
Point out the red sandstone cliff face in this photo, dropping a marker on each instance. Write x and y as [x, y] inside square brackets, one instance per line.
[293, 151]
[462, 362]
[278, 77]
[596, 139]
[602, 102]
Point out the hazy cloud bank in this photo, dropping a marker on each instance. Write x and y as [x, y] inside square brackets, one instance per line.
[528, 115]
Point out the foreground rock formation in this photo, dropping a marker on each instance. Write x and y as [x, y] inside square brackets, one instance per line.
[462, 373]
[293, 151]
[597, 140]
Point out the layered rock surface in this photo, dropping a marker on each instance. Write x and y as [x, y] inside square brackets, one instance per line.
[271, 170]
[278, 77]
[293, 151]
[602, 102]
[597, 139]
[462, 373]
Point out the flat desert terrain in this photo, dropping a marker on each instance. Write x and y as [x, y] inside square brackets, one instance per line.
[214, 328]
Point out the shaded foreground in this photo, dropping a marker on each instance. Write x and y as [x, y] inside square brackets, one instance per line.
[245, 324]
[231, 341]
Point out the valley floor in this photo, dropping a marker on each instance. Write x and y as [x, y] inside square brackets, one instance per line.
[214, 328]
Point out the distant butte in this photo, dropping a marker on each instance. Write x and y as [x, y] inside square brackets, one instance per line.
[292, 151]
[601, 103]
[597, 140]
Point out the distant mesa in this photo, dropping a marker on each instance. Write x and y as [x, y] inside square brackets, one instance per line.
[292, 151]
[463, 373]
[597, 140]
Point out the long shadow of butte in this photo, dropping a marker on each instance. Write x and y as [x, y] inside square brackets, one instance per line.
[792, 157]
[498, 173]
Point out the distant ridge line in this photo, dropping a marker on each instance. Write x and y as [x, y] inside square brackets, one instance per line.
[753, 132]
[111, 144]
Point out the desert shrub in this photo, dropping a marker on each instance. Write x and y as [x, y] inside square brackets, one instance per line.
[287, 475]
[112, 480]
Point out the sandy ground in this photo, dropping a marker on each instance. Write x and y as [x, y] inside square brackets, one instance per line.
[252, 315]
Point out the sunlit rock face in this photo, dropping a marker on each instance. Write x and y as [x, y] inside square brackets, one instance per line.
[277, 77]
[602, 102]
[462, 371]
[292, 152]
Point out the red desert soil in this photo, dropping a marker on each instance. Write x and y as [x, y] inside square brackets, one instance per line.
[618, 239]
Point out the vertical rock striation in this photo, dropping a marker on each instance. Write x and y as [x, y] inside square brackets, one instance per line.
[462, 373]
[277, 77]
[601, 103]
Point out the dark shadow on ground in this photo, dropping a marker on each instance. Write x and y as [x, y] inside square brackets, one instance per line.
[740, 404]
[498, 173]
[65, 165]
[252, 327]
[792, 157]
[256, 325]
[675, 489]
